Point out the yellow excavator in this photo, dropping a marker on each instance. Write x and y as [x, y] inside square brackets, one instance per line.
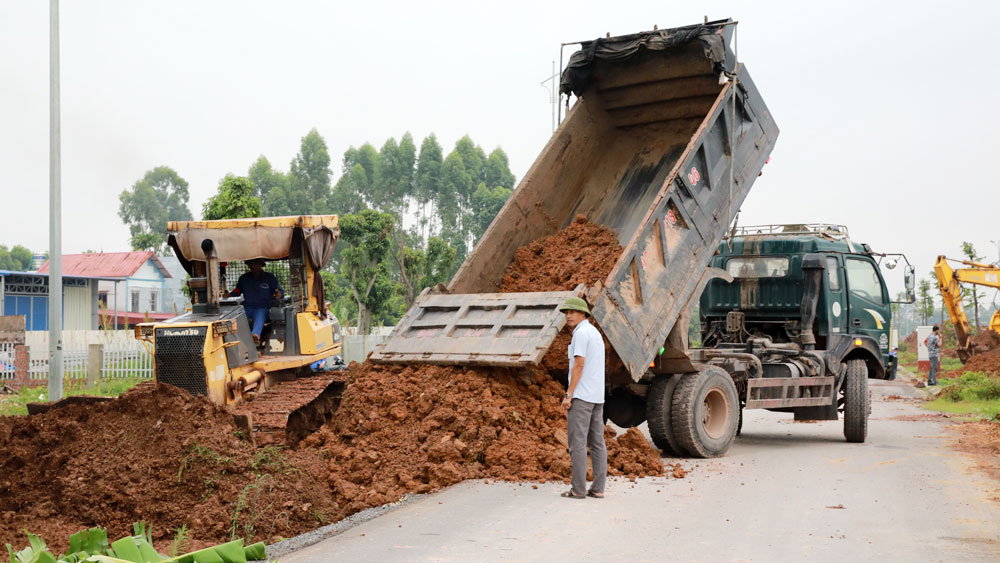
[289, 382]
[951, 293]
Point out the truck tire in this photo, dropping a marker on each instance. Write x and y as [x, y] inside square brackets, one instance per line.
[705, 412]
[856, 401]
[658, 406]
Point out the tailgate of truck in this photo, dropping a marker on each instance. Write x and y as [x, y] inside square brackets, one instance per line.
[485, 329]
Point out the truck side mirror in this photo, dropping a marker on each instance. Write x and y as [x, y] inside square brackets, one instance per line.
[908, 280]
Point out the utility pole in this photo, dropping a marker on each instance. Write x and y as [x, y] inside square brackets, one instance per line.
[55, 212]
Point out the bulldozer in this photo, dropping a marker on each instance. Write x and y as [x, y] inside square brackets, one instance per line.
[287, 384]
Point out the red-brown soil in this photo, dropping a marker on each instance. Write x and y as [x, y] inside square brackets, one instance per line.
[405, 429]
[171, 459]
[159, 455]
[582, 253]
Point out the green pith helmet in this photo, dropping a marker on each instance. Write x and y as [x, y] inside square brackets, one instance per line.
[575, 304]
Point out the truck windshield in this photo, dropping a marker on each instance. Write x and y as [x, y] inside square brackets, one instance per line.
[758, 266]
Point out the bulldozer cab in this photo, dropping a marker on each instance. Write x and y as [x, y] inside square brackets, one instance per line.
[295, 249]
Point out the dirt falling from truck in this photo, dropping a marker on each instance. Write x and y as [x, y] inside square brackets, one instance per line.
[583, 252]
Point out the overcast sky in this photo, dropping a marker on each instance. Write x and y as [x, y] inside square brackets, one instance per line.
[887, 109]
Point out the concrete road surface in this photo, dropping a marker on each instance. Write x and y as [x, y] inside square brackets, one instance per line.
[785, 492]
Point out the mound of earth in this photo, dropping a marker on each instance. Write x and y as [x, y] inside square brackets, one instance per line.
[986, 363]
[405, 429]
[160, 455]
[986, 341]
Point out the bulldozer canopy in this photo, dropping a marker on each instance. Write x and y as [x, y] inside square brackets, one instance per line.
[269, 238]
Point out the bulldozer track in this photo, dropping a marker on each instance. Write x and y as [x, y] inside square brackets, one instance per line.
[289, 411]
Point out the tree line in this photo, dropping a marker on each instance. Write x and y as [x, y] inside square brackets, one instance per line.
[379, 268]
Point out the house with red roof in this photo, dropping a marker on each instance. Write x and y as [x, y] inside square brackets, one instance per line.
[134, 286]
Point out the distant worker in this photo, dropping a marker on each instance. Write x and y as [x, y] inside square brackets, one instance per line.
[257, 288]
[933, 343]
[584, 401]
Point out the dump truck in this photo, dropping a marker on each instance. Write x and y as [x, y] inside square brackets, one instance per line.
[666, 138]
[286, 385]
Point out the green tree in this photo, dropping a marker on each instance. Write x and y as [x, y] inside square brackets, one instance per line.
[428, 178]
[346, 196]
[364, 263]
[925, 301]
[486, 203]
[455, 183]
[236, 200]
[309, 177]
[970, 252]
[496, 171]
[420, 268]
[18, 259]
[161, 195]
[264, 177]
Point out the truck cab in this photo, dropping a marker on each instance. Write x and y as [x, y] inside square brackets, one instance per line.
[769, 288]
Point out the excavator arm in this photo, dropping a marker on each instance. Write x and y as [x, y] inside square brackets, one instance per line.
[951, 293]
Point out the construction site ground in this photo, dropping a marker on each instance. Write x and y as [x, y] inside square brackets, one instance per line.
[786, 491]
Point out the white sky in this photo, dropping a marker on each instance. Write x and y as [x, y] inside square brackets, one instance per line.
[886, 108]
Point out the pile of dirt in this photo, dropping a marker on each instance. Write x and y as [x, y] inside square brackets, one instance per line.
[986, 363]
[160, 455]
[910, 342]
[406, 429]
[171, 459]
[986, 341]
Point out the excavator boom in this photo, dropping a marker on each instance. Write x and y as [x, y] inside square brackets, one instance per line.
[951, 294]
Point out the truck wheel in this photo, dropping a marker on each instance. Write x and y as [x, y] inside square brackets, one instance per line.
[705, 411]
[658, 406]
[856, 401]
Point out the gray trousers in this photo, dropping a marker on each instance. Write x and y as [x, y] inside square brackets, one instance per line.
[585, 427]
[932, 377]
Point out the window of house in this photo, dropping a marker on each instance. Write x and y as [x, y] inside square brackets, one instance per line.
[135, 302]
[863, 280]
[152, 302]
[102, 297]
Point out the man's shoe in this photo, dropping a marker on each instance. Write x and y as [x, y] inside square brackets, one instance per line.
[256, 339]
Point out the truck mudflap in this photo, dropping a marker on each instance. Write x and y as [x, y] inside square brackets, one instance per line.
[485, 329]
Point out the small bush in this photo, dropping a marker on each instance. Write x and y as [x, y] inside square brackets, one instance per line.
[972, 386]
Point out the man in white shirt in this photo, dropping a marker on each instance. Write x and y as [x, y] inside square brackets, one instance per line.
[585, 401]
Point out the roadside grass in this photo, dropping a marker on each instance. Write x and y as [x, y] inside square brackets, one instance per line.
[973, 393]
[909, 360]
[16, 405]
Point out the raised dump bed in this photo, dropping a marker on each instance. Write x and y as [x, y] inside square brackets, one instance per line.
[666, 137]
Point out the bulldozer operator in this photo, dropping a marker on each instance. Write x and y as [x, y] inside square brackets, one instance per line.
[257, 288]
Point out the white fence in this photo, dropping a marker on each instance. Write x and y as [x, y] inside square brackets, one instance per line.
[123, 355]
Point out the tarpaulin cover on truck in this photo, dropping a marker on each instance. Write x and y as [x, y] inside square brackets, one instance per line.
[578, 75]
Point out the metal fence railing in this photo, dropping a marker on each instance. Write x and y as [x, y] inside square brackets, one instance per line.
[123, 357]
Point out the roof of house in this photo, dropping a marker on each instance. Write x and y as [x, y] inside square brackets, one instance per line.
[8, 273]
[107, 264]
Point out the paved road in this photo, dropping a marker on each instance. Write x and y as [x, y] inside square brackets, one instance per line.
[905, 495]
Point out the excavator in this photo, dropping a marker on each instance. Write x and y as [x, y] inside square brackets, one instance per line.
[951, 293]
[286, 385]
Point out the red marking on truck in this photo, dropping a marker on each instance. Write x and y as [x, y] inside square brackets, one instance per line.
[694, 176]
